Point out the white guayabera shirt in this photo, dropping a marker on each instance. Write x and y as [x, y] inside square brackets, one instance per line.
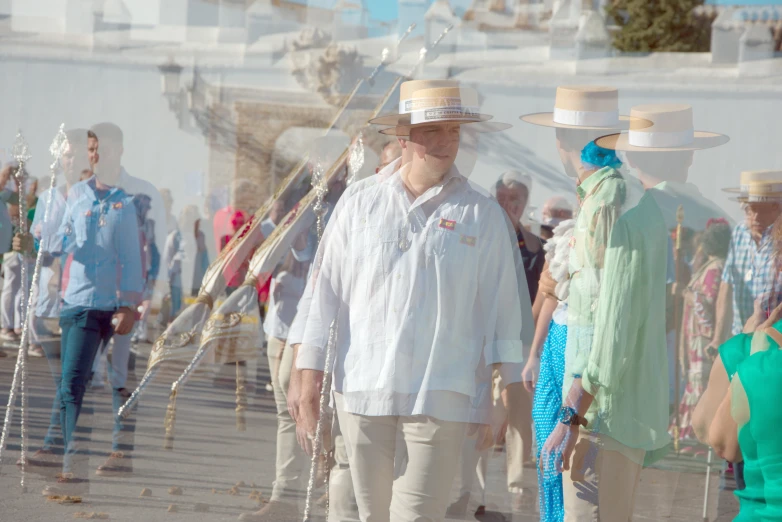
[428, 294]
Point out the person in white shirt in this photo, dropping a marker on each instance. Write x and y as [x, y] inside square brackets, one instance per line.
[427, 292]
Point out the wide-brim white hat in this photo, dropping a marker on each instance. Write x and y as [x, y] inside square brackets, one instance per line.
[671, 130]
[428, 102]
[758, 186]
[584, 107]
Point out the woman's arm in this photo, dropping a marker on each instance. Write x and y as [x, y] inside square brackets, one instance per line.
[723, 432]
[707, 406]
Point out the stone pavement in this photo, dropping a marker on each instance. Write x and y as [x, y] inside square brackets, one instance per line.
[209, 453]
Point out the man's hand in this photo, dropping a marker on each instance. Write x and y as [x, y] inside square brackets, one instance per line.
[294, 389]
[305, 442]
[309, 402]
[23, 244]
[529, 375]
[558, 448]
[123, 320]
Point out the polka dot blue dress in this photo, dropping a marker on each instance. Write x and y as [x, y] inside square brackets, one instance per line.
[545, 415]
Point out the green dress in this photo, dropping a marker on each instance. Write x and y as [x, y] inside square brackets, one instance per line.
[751, 498]
[752, 399]
[755, 401]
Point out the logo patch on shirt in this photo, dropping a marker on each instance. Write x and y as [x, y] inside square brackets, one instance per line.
[117, 206]
[467, 240]
[447, 224]
[572, 242]
[88, 213]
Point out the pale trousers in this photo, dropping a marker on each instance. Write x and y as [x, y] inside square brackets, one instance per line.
[601, 484]
[11, 300]
[342, 500]
[474, 464]
[420, 493]
[518, 441]
[291, 461]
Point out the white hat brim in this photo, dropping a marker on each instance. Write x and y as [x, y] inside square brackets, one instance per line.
[702, 140]
[546, 119]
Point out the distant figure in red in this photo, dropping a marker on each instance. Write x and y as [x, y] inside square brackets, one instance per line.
[234, 281]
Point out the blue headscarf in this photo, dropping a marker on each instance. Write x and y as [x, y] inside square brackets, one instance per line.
[594, 156]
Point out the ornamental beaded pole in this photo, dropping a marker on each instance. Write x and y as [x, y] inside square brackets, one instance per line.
[21, 154]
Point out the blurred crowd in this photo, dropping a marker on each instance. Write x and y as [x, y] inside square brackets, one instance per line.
[588, 338]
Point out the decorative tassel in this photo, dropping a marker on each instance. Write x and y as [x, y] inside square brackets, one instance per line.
[168, 443]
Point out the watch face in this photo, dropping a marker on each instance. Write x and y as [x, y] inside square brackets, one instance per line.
[566, 415]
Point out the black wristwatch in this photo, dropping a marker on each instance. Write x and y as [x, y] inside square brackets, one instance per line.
[570, 417]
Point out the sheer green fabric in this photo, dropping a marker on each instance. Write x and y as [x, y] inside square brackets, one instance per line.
[616, 312]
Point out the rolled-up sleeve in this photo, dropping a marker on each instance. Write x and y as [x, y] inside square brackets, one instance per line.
[616, 314]
[502, 293]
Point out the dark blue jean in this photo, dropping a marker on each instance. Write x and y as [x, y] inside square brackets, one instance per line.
[83, 331]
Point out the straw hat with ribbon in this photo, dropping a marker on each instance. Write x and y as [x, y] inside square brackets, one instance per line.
[427, 102]
[671, 130]
[758, 186]
[585, 107]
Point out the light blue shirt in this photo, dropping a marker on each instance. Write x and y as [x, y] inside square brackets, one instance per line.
[100, 231]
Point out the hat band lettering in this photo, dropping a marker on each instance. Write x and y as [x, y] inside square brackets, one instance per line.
[754, 198]
[586, 118]
[444, 114]
[419, 104]
[658, 140]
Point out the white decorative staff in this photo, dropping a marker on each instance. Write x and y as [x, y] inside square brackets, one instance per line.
[21, 154]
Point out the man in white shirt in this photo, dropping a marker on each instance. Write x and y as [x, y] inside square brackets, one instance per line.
[428, 294]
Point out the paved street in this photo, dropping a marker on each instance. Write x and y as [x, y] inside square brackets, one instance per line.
[210, 453]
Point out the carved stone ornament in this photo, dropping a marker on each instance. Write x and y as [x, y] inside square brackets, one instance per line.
[323, 66]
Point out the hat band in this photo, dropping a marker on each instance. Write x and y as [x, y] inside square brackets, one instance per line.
[419, 104]
[585, 118]
[657, 140]
[758, 198]
[444, 114]
[762, 188]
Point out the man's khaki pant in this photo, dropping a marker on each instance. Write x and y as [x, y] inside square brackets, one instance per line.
[518, 437]
[291, 463]
[601, 484]
[518, 441]
[421, 492]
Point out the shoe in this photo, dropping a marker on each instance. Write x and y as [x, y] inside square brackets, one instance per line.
[9, 336]
[481, 511]
[36, 351]
[43, 458]
[3, 354]
[459, 508]
[274, 511]
[269, 387]
[116, 465]
[67, 485]
[522, 502]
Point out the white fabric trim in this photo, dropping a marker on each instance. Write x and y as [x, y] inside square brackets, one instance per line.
[440, 114]
[586, 118]
[762, 187]
[661, 139]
